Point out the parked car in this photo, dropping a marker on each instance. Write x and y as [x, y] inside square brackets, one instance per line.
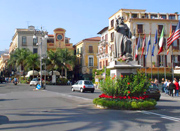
[2, 79]
[34, 82]
[153, 92]
[83, 85]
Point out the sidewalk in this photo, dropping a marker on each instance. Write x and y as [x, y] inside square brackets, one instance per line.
[167, 97]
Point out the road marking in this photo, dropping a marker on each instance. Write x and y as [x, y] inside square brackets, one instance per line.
[162, 116]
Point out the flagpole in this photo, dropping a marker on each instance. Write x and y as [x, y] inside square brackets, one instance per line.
[164, 62]
[151, 58]
[172, 63]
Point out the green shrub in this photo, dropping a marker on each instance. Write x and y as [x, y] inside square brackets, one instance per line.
[125, 104]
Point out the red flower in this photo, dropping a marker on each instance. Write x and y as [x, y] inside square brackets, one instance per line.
[129, 92]
[121, 75]
[128, 83]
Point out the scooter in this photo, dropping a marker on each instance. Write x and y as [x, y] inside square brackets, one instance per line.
[15, 82]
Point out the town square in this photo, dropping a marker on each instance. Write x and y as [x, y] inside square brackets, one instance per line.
[89, 65]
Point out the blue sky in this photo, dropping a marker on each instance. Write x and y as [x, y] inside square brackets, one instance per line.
[80, 18]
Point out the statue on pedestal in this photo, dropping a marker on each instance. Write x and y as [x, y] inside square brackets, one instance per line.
[122, 40]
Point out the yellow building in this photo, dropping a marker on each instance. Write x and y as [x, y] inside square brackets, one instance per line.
[86, 53]
[58, 40]
[3, 62]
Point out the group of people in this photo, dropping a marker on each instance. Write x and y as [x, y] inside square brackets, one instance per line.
[171, 87]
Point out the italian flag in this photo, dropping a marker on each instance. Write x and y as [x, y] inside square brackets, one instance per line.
[161, 40]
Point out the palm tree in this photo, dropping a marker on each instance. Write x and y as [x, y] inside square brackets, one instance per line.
[18, 58]
[66, 58]
[32, 62]
[52, 60]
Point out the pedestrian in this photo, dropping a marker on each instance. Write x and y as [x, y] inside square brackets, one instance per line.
[171, 88]
[156, 81]
[165, 86]
[176, 88]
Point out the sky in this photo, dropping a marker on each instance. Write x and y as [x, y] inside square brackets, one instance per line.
[80, 18]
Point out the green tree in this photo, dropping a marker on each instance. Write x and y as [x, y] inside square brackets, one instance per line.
[32, 62]
[18, 58]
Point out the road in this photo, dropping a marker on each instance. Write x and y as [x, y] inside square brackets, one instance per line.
[59, 109]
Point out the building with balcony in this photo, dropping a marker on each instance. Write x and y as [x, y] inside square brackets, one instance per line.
[142, 23]
[103, 49]
[23, 38]
[86, 57]
[3, 62]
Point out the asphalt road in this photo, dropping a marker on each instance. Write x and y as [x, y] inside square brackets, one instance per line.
[59, 109]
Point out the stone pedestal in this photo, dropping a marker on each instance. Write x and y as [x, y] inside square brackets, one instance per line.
[122, 68]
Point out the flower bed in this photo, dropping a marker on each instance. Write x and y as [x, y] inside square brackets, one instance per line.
[125, 92]
[125, 104]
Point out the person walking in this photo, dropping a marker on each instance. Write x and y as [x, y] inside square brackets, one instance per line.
[176, 88]
[156, 81]
[171, 88]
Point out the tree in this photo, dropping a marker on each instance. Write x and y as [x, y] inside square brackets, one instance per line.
[18, 58]
[32, 62]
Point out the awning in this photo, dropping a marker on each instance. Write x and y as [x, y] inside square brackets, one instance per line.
[30, 73]
[54, 73]
[44, 72]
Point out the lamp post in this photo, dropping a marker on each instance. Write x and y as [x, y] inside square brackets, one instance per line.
[44, 36]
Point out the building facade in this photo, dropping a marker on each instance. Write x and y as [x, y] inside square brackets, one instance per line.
[86, 54]
[3, 63]
[141, 23]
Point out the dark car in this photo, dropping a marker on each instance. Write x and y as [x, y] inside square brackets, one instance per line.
[153, 92]
[2, 79]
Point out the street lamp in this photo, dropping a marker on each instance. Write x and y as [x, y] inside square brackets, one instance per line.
[44, 35]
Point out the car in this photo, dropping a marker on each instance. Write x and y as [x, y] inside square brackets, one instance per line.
[34, 82]
[153, 92]
[83, 85]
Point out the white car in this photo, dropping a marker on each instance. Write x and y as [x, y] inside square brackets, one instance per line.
[83, 85]
[34, 82]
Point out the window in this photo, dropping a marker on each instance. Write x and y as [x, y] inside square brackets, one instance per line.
[106, 48]
[90, 49]
[160, 29]
[112, 23]
[23, 40]
[80, 83]
[161, 60]
[140, 28]
[106, 62]
[50, 40]
[112, 36]
[77, 50]
[153, 16]
[35, 41]
[100, 65]
[35, 50]
[91, 61]
[163, 16]
[134, 15]
[171, 17]
[173, 28]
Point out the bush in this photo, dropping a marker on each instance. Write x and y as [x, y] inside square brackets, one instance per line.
[126, 104]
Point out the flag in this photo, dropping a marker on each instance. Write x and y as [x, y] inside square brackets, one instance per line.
[170, 35]
[169, 40]
[176, 34]
[137, 47]
[155, 42]
[149, 43]
[161, 40]
[143, 45]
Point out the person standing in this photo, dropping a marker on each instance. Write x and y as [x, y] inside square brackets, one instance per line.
[156, 81]
[171, 88]
[176, 88]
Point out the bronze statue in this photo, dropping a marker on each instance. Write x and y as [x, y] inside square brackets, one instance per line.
[122, 40]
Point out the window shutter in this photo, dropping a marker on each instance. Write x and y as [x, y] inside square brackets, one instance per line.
[144, 61]
[177, 44]
[158, 60]
[178, 58]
